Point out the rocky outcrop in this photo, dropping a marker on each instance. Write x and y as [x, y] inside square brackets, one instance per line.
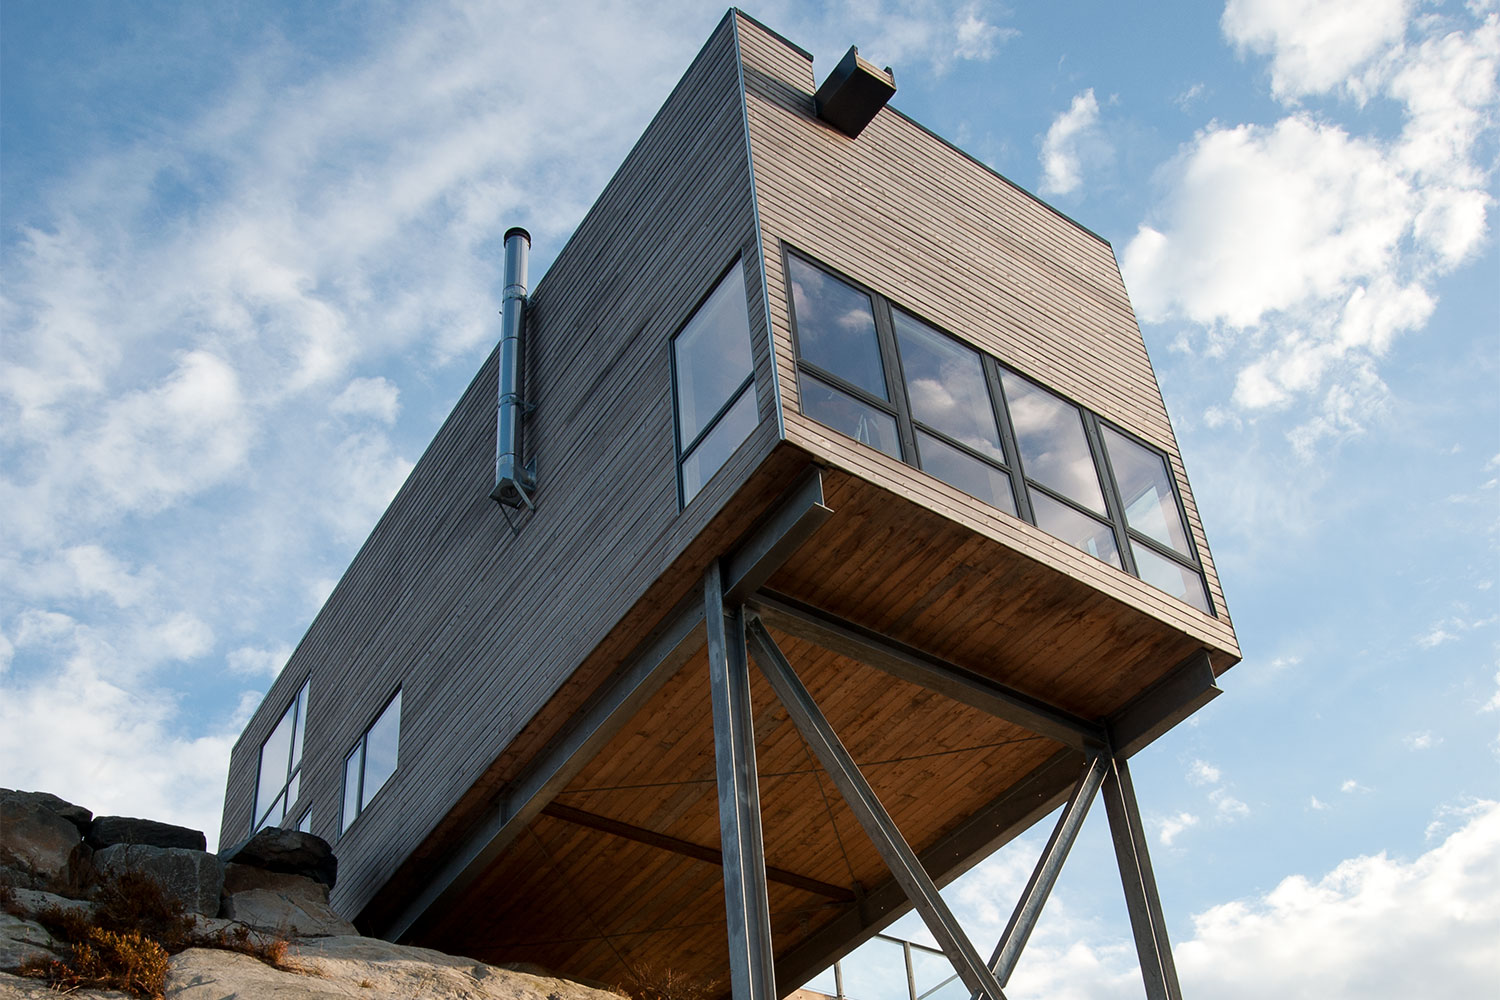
[195, 878]
[273, 901]
[107, 831]
[290, 852]
[40, 845]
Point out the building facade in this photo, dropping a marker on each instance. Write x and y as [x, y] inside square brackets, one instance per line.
[852, 404]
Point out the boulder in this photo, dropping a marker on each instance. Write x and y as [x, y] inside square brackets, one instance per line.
[31, 902]
[194, 877]
[242, 878]
[77, 815]
[107, 831]
[291, 914]
[288, 851]
[22, 941]
[39, 848]
[16, 988]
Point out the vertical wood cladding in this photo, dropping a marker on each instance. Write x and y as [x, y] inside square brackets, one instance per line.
[480, 623]
[945, 238]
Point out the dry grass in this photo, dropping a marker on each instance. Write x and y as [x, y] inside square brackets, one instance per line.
[125, 943]
[649, 983]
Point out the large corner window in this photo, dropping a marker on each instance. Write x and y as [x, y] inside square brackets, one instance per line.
[279, 783]
[372, 761]
[870, 370]
[713, 383]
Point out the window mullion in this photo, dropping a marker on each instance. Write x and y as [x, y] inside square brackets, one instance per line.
[1112, 501]
[1007, 437]
[895, 380]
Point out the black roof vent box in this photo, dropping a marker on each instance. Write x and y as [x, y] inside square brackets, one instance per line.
[853, 93]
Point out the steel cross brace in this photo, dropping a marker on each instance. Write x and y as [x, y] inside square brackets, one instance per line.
[1146, 919]
[878, 825]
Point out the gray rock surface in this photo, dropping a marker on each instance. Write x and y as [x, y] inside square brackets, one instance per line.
[194, 877]
[77, 815]
[39, 849]
[33, 902]
[16, 988]
[22, 940]
[107, 831]
[361, 967]
[292, 915]
[288, 851]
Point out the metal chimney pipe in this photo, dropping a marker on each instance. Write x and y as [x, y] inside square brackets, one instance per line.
[513, 483]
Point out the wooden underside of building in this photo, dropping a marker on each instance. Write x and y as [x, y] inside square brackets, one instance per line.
[618, 878]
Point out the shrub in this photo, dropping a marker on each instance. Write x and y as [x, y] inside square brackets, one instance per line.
[127, 961]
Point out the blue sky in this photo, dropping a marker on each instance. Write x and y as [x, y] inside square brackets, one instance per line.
[251, 255]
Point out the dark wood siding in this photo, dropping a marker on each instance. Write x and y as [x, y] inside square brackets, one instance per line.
[923, 224]
[481, 619]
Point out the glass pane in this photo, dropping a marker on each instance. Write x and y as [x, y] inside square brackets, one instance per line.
[353, 765]
[293, 789]
[876, 972]
[380, 750]
[305, 823]
[1062, 521]
[273, 762]
[716, 447]
[1164, 574]
[945, 383]
[1146, 487]
[273, 816]
[1050, 435]
[843, 412]
[957, 467]
[836, 327]
[712, 355]
[301, 711]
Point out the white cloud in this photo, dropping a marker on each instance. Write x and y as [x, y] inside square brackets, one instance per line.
[1371, 927]
[1421, 741]
[1200, 772]
[1316, 803]
[1168, 828]
[1350, 786]
[256, 661]
[1315, 47]
[1072, 135]
[1226, 806]
[1300, 249]
[376, 397]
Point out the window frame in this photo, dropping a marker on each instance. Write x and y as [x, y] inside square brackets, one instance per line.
[1014, 466]
[346, 822]
[681, 451]
[298, 706]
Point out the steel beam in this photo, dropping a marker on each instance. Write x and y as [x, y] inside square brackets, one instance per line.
[861, 799]
[1049, 865]
[602, 716]
[910, 664]
[687, 848]
[746, 904]
[1146, 921]
[1183, 690]
[796, 516]
[1000, 821]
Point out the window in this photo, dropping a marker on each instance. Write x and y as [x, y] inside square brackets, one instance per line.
[882, 376]
[280, 778]
[713, 383]
[372, 761]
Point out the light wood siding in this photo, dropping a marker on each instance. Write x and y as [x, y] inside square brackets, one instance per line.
[480, 618]
[918, 221]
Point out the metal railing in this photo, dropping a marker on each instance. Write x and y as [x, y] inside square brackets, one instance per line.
[892, 968]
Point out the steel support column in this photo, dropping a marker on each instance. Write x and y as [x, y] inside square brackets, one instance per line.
[1146, 920]
[1048, 866]
[878, 825]
[746, 904]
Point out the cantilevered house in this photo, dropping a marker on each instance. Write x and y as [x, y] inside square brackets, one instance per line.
[837, 534]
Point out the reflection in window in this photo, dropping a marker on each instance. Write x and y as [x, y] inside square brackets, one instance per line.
[1146, 490]
[372, 761]
[1169, 575]
[945, 384]
[711, 366]
[1076, 528]
[280, 778]
[963, 471]
[836, 328]
[843, 412]
[1054, 449]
